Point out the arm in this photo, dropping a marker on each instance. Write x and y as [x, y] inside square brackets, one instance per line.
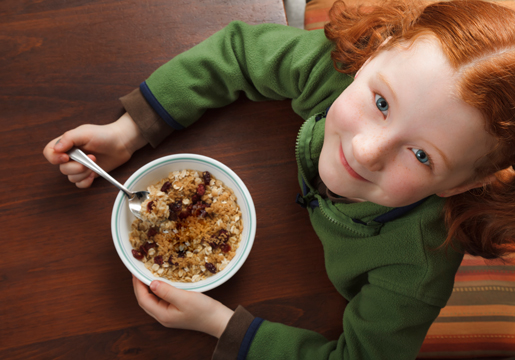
[264, 62]
[377, 324]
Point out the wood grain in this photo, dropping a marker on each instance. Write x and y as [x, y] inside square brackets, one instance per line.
[64, 293]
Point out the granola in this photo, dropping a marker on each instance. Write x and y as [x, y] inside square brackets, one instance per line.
[192, 227]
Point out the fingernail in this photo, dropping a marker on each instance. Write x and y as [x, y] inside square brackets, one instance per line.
[58, 146]
[154, 285]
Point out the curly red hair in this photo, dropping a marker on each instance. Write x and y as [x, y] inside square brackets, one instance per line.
[478, 38]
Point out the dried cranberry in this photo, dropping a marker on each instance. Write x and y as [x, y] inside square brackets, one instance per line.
[172, 216]
[201, 189]
[158, 260]
[150, 205]
[225, 248]
[181, 253]
[176, 206]
[211, 268]
[207, 177]
[152, 232]
[213, 245]
[166, 186]
[195, 199]
[143, 250]
[184, 215]
[138, 255]
[147, 246]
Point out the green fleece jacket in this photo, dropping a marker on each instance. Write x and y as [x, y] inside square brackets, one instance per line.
[392, 272]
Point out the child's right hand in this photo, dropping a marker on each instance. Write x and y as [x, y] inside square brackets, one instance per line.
[109, 145]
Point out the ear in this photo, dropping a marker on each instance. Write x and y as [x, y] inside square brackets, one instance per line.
[466, 187]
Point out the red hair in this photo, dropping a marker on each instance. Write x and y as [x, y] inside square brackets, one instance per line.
[478, 38]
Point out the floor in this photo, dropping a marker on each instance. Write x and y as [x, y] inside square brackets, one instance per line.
[295, 12]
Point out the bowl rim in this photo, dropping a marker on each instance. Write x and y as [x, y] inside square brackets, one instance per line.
[214, 280]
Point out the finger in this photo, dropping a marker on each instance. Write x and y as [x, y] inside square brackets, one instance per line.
[87, 181]
[143, 295]
[169, 294]
[76, 137]
[77, 178]
[154, 305]
[52, 156]
[74, 168]
[145, 298]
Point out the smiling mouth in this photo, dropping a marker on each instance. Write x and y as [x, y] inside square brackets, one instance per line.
[348, 168]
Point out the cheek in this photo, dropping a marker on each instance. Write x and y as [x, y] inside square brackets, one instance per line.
[346, 113]
[403, 182]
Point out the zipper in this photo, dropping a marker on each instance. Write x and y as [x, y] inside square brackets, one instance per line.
[297, 156]
[304, 177]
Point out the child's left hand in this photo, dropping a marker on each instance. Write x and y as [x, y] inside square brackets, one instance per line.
[181, 309]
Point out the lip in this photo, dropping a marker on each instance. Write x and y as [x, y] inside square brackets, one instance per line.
[348, 168]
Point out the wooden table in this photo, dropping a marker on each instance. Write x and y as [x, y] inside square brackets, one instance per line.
[64, 292]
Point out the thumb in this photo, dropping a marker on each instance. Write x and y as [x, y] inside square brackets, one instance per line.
[167, 292]
[76, 137]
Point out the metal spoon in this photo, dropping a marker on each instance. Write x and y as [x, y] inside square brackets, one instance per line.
[135, 198]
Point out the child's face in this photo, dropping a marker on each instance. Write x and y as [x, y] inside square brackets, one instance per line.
[400, 133]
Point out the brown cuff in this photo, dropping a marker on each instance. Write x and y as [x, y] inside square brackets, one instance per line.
[232, 337]
[153, 128]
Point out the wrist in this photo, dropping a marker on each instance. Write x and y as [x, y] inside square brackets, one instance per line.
[219, 320]
[130, 133]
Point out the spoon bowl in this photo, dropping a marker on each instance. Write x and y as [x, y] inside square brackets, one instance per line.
[136, 198]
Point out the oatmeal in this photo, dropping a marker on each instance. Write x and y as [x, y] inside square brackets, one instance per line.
[192, 227]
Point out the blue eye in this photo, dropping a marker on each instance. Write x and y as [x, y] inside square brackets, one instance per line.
[421, 156]
[382, 104]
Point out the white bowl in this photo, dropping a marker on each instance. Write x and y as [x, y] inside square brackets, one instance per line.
[153, 172]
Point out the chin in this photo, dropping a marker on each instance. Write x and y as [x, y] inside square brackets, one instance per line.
[330, 179]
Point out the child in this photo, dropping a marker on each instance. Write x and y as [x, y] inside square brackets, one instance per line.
[419, 118]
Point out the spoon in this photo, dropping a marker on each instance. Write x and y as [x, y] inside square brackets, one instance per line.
[135, 198]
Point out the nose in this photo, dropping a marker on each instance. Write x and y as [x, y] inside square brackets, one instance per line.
[372, 150]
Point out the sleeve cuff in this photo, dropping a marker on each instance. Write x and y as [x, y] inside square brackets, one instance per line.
[156, 105]
[153, 128]
[237, 337]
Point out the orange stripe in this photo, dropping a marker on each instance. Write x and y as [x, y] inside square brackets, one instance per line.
[316, 15]
[478, 310]
[484, 275]
[489, 328]
[473, 345]
[472, 261]
[469, 260]
[319, 4]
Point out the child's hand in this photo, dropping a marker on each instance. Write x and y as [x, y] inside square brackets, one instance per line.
[110, 145]
[181, 309]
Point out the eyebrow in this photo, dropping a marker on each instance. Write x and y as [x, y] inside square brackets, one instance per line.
[388, 85]
[442, 155]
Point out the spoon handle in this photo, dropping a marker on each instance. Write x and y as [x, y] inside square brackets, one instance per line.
[77, 155]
